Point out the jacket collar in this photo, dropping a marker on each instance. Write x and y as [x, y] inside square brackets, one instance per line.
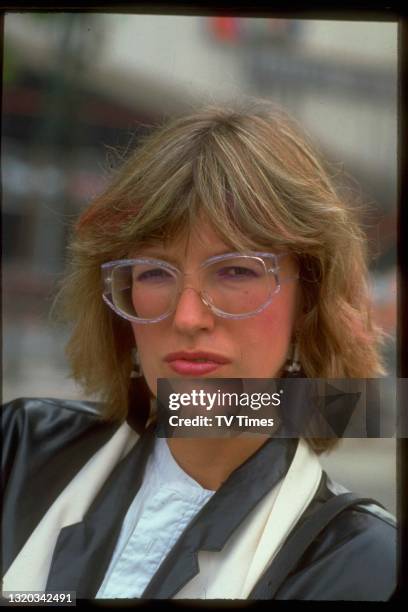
[83, 550]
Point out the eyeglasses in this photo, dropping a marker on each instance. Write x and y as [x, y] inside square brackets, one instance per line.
[233, 285]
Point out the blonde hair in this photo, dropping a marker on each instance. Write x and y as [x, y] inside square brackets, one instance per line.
[255, 177]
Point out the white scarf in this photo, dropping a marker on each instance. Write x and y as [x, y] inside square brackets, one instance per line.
[230, 573]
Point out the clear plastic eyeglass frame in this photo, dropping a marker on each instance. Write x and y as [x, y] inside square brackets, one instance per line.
[272, 267]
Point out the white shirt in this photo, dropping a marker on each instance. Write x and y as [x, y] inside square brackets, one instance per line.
[163, 507]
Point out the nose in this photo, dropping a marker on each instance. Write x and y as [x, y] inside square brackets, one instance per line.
[191, 313]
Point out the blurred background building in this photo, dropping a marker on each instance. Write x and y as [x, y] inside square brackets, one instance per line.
[81, 88]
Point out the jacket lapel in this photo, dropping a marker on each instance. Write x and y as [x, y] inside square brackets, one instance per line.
[83, 550]
[221, 516]
[47, 439]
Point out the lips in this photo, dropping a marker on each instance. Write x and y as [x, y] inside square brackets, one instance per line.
[193, 356]
[195, 363]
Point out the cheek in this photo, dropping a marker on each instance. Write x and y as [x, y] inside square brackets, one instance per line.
[147, 339]
[270, 330]
[276, 322]
[267, 337]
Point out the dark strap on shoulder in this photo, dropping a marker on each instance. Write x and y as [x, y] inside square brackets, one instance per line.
[298, 542]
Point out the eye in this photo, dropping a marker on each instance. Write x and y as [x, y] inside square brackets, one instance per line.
[237, 272]
[154, 274]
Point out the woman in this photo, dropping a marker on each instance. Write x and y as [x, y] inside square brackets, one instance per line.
[162, 267]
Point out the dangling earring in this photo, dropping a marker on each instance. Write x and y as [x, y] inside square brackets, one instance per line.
[138, 396]
[293, 367]
[136, 367]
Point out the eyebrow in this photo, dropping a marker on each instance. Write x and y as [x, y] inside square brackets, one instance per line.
[157, 253]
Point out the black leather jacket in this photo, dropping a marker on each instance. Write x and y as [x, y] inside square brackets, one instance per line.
[45, 444]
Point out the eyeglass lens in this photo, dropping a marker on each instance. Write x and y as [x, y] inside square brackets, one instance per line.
[235, 286]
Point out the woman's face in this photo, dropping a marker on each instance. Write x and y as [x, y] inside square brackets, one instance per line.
[254, 347]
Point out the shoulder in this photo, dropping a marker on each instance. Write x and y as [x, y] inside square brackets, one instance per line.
[45, 443]
[46, 416]
[35, 411]
[352, 558]
[36, 420]
[36, 430]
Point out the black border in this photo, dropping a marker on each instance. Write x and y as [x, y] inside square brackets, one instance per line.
[368, 10]
[350, 10]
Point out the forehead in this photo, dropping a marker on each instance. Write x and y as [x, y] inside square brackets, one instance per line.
[201, 241]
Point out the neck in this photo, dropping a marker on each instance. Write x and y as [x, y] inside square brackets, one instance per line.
[211, 460]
